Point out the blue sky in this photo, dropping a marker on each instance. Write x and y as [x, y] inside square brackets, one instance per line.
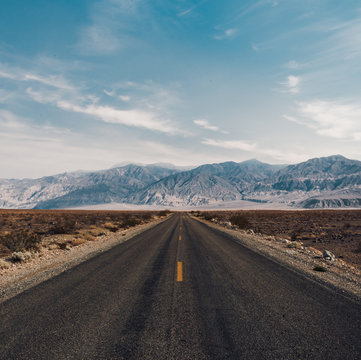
[89, 84]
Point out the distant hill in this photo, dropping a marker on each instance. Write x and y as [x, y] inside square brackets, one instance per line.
[328, 182]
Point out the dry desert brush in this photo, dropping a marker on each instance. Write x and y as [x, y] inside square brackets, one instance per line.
[240, 221]
[21, 240]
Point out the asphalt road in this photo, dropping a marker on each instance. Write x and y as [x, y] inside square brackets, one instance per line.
[180, 290]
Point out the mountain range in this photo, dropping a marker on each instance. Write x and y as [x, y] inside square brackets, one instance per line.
[328, 182]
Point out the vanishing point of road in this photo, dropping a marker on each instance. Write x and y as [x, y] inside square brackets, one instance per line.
[180, 290]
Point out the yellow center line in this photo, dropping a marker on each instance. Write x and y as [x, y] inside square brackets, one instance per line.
[180, 271]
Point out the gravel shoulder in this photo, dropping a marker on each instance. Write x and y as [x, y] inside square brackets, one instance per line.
[51, 262]
[340, 276]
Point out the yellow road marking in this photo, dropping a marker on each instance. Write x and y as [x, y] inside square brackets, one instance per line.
[180, 271]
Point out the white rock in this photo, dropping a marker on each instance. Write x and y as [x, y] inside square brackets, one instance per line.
[328, 255]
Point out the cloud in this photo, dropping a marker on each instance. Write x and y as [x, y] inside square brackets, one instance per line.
[125, 98]
[255, 150]
[255, 5]
[149, 94]
[148, 113]
[109, 93]
[55, 81]
[344, 42]
[330, 118]
[5, 95]
[203, 123]
[230, 144]
[112, 22]
[293, 65]
[255, 47]
[191, 9]
[292, 84]
[98, 39]
[133, 117]
[227, 34]
[29, 150]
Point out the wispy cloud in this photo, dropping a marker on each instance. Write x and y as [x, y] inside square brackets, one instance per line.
[339, 120]
[230, 144]
[255, 47]
[293, 65]
[192, 8]
[134, 117]
[109, 114]
[226, 34]
[203, 123]
[5, 95]
[255, 5]
[344, 41]
[111, 24]
[149, 94]
[253, 149]
[148, 113]
[124, 98]
[292, 84]
[98, 39]
[55, 81]
[27, 149]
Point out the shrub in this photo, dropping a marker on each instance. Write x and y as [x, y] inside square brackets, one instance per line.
[295, 245]
[64, 227]
[163, 213]
[208, 216]
[319, 268]
[240, 221]
[21, 240]
[130, 222]
[20, 256]
[146, 216]
[111, 227]
[64, 245]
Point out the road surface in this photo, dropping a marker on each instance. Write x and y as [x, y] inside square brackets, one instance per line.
[180, 290]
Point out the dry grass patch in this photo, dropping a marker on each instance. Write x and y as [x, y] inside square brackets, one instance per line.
[78, 241]
[295, 245]
[4, 264]
[21, 240]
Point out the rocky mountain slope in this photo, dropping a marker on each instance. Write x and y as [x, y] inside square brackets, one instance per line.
[333, 181]
[74, 189]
